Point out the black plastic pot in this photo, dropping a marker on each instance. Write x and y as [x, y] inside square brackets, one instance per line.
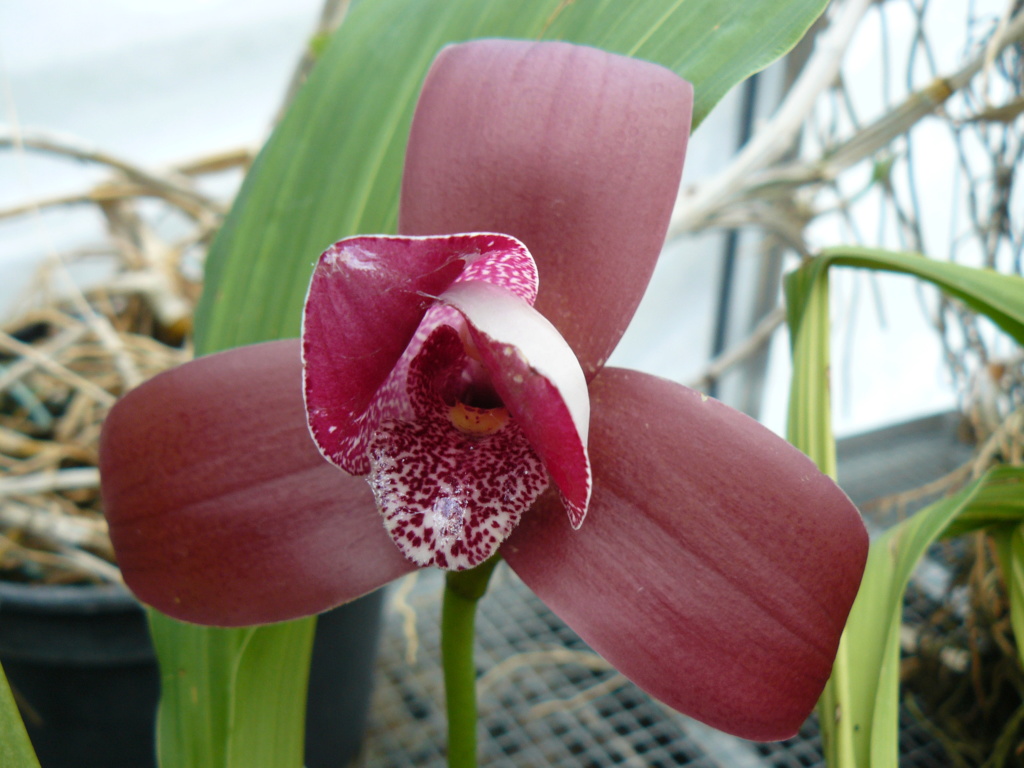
[82, 669]
[341, 681]
[81, 664]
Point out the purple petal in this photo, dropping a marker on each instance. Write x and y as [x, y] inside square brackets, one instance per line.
[221, 510]
[717, 566]
[576, 152]
[367, 297]
[451, 494]
[537, 377]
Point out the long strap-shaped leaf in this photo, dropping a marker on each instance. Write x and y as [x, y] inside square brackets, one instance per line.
[1000, 297]
[333, 166]
[333, 169]
[232, 697]
[15, 748]
[997, 296]
[859, 718]
[1009, 540]
[872, 634]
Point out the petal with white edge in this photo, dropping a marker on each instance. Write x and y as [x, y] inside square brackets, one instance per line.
[538, 378]
[367, 297]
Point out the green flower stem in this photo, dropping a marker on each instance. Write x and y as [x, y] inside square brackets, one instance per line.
[463, 590]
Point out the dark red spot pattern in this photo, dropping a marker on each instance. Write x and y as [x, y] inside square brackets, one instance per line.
[449, 499]
[357, 287]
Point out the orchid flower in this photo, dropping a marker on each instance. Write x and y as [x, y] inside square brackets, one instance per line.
[464, 376]
[459, 432]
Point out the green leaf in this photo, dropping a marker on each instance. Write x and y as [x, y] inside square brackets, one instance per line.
[232, 697]
[997, 296]
[809, 425]
[197, 666]
[858, 709]
[1000, 297]
[868, 717]
[15, 748]
[1009, 541]
[333, 166]
[271, 684]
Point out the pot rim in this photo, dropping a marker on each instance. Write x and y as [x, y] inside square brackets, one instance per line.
[30, 597]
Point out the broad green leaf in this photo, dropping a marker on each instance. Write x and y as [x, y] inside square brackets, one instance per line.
[869, 715]
[268, 691]
[333, 166]
[197, 666]
[15, 748]
[232, 698]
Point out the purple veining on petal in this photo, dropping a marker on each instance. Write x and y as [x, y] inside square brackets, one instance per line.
[449, 496]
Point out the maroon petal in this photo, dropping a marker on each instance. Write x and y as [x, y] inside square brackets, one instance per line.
[576, 152]
[221, 510]
[717, 566]
[365, 302]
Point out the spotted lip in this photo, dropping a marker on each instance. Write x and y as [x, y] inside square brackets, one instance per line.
[428, 448]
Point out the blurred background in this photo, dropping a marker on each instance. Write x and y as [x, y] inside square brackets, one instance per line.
[159, 83]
